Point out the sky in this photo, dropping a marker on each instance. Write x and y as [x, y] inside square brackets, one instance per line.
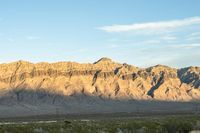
[139, 32]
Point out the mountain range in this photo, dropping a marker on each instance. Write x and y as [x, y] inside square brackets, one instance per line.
[103, 86]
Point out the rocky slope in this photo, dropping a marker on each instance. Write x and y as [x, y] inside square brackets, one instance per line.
[104, 78]
[28, 89]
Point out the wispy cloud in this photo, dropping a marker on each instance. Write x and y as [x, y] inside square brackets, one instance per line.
[194, 34]
[149, 42]
[154, 26]
[193, 38]
[187, 46]
[157, 42]
[168, 38]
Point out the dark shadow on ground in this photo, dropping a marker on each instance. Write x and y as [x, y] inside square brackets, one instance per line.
[23, 102]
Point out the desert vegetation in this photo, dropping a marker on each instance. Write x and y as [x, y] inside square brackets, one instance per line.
[168, 124]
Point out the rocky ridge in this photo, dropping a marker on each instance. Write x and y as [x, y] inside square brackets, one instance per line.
[104, 79]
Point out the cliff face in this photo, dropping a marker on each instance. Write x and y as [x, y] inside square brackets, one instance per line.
[104, 79]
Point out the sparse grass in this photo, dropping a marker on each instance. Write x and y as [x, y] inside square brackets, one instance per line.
[172, 124]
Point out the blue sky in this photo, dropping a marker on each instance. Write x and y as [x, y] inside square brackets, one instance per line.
[140, 32]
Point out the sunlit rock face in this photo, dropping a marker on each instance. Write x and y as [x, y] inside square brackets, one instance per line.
[104, 79]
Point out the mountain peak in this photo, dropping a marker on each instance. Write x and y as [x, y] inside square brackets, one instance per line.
[103, 60]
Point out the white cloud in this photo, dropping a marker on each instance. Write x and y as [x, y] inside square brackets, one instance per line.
[191, 45]
[150, 42]
[193, 38]
[194, 34]
[168, 38]
[153, 26]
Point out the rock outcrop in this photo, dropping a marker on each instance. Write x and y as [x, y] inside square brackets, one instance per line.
[105, 79]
